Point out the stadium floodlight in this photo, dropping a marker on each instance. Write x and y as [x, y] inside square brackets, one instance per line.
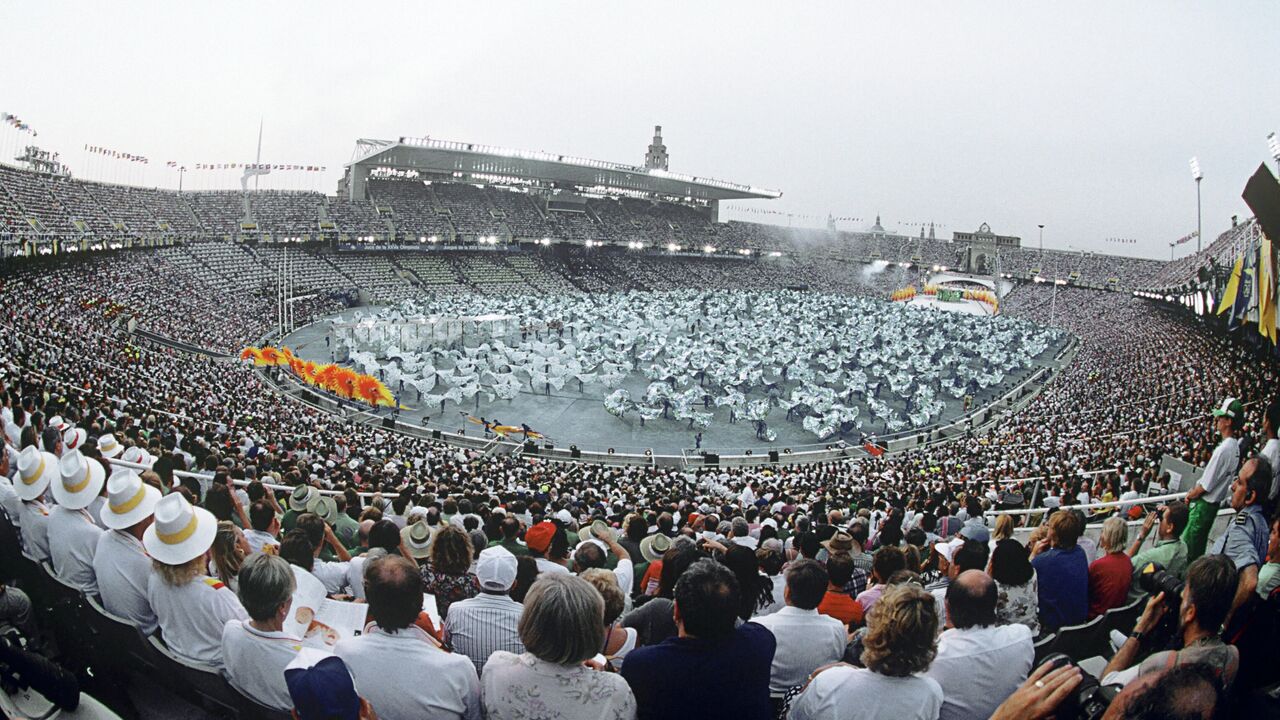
[1273, 144]
[775, 253]
[744, 251]
[1197, 176]
[433, 239]
[545, 241]
[1060, 281]
[708, 249]
[422, 238]
[640, 246]
[672, 247]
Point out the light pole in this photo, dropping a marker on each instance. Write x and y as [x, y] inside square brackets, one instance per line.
[1198, 176]
[1042, 240]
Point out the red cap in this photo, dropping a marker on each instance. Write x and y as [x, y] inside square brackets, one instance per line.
[538, 537]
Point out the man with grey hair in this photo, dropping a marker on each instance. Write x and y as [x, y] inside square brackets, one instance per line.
[740, 533]
[399, 668]
[256, 651]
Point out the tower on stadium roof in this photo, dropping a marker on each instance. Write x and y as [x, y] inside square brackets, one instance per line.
[559, 177]
[656, 158]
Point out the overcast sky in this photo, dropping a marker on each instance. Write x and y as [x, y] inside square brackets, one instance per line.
[1081, 116]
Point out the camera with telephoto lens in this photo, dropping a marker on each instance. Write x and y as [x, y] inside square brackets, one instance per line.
[1153, 578]
[1090, 699]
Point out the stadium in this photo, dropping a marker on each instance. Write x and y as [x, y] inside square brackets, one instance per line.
[526, 374]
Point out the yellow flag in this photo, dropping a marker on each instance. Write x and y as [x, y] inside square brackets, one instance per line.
[1233, 287]
[1267, 291]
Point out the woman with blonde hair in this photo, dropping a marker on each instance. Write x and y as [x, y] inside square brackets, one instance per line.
[447, 573]
[618, 640]
[230, 548]
[191, 607]
[899, 645]
[562, 627]
[1110, 575]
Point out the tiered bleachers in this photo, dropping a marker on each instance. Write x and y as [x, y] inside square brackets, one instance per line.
[540, 273]
[468, 210]
[436, 271]
[309, 270]
[30, 191]
[413, 210]
[1222, 252]
[124, 205]
[286, 213]
[523, 220]
[373, 273]
[217, 211]
[220, 263]
[85, 212]
[489, 274]
[355, 218]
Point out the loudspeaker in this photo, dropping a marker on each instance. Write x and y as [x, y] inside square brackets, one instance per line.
[711, 459]
[531, 447]
[574, 452]
[389, 423]
[773, 456]
[436, 434]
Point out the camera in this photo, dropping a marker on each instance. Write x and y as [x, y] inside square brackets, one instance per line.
[1153, 578]
[1090, 699]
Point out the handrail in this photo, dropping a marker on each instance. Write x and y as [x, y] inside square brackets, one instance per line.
[1091, 506]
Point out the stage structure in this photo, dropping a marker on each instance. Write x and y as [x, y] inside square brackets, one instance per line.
[391, 337]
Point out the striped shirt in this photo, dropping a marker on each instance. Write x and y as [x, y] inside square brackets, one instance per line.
[482, 625]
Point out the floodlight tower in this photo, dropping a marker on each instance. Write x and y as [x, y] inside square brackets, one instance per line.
[1197, 176]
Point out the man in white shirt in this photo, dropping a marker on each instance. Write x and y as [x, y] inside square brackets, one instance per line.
[488, 622]
[399, 669]
[591, 555]
[979, 663]
[1215, 482]
[73, 533]
[332, 573]
[265, 528]
[1271, 451]
[36, 472]
[806, 639]
[256, 651]
[120, 562]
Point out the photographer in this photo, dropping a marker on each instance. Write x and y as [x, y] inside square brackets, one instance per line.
[1169, 551]
[1205, 603]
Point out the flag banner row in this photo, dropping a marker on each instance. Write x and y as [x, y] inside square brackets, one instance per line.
[16, 123]
[116, 154]
[259, 166]
[1122, 241]
[1187, 238]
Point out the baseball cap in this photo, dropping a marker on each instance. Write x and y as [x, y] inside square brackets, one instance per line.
[973, 531]
[1231, 407]
[496, 569]
[538, 537]
[564, 516]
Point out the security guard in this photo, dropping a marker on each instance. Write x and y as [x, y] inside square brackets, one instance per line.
[1245, 541]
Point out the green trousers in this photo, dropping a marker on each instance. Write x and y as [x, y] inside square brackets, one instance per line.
[1196, 534]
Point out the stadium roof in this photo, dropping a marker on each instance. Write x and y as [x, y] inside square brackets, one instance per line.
[429, 155]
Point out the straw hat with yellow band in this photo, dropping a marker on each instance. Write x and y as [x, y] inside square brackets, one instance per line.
[108, 446]
[181, 533]
[129, 500]
[81, 480]
[36, 472]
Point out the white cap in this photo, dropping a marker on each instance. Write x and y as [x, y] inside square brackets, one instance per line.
[496, 569]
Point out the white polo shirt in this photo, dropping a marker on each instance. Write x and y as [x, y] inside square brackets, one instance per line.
[807, 640]
[404, 675]
[122, 569]
[73, 541]
[258, 540]
[9, 500]
[255, 662]
[847, 693]
[979, 668]
[35, 530]
[193, 616]
[332, 574]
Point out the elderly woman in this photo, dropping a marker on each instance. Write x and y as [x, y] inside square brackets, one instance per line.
[562, 626]
[191, 607]
[447, 574]
[257, 650]
[1110, 575]
[618, 640]
[898, 646]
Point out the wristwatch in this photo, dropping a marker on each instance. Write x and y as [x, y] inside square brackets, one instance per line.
[1137, 634]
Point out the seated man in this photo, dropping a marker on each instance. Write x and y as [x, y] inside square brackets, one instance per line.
[488, 622]
[806, 640]
[399, 669]
[262, 536]
[256, 651]
[979, 663]
[836, 602]
[1170, 552]
[1206, 601]
[710, 663]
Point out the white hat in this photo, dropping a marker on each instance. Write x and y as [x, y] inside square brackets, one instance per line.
[36, 471]
[181, 532]
[564, 516]
[947, 548]
[129, 500]
[80, 482]
[57, 422]
[496, 569]
[108, 446]
[73, 438]
[138, 456]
